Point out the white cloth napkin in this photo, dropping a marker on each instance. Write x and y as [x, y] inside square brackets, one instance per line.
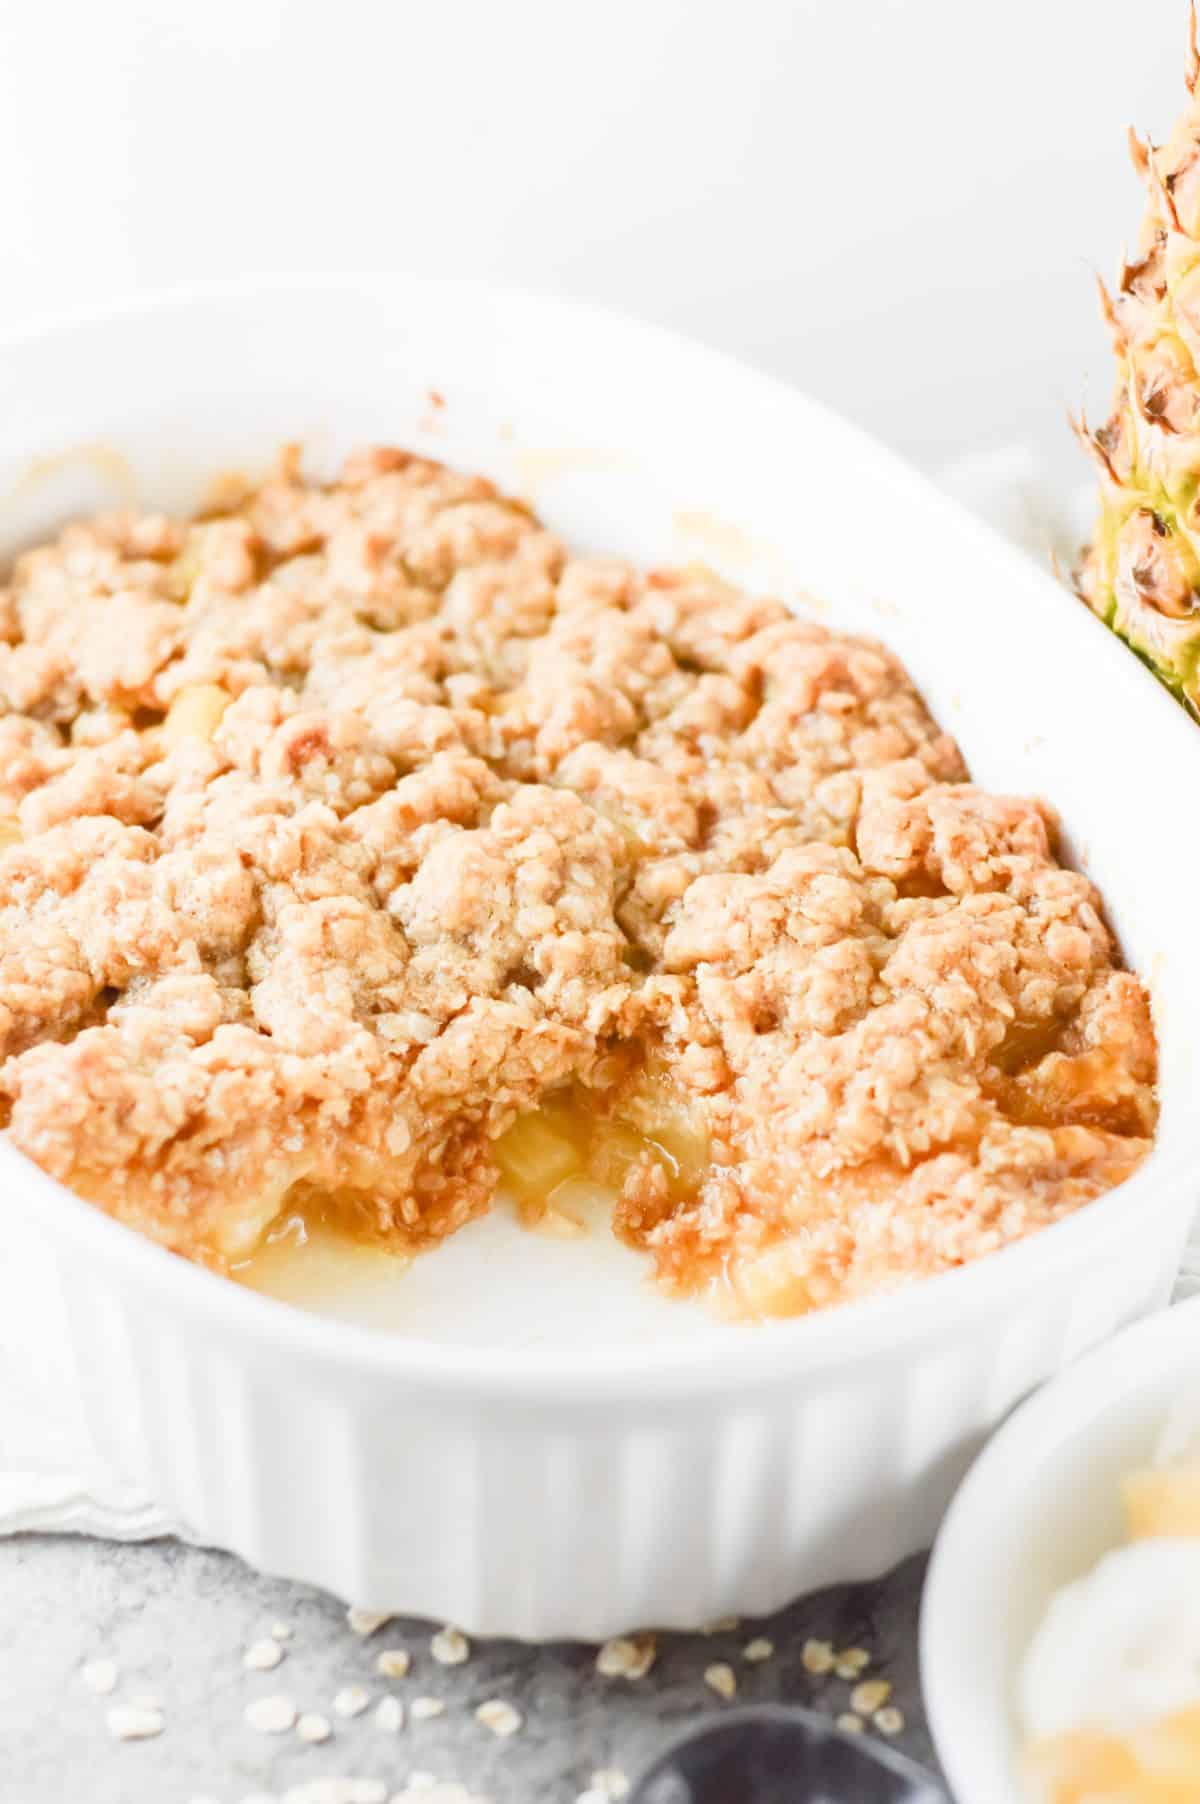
[51, 1478]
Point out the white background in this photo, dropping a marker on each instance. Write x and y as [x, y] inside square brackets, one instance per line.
[897, 203]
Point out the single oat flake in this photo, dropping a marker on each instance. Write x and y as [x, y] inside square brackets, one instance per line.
[423, 1788]
[817, 1657]
[721, 1678]
[128, 1723]
[609, 1784]
[627, 1657]
[450, 1647]
[423, 1709]
[389, 1715]
[262, 1655]
[100, 1676]
[314, 1728]
[499, 1717]
[758, 1650]
[870, 1696]
[393, 1663]
[851, 1662]
[337, 1791]
[366, 1622]
[352, 1700]
[273, 1715]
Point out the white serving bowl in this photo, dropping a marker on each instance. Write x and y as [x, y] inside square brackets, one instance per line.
[546, 1447]
[1039, 1509]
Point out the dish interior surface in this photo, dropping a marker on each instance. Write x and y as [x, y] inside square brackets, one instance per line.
[556, 434]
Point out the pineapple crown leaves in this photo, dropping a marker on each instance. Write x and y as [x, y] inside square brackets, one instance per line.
[1141, 573]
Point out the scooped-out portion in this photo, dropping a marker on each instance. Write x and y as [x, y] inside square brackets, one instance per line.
[364, 851]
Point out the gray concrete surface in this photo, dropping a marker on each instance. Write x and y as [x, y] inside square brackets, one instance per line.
[177, 1620]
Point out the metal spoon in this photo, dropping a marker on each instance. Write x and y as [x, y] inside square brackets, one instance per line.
[777, 1755]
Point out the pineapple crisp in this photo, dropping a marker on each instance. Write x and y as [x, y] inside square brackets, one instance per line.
[362, 849]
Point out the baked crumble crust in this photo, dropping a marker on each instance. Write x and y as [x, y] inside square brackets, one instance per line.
[346, 825]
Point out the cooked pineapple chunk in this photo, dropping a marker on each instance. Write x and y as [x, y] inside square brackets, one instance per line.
[1169, 1749]
[195, 713]
[535, 1156]
[571, 1209]
[669, 1136]
[770, 1285]
[1157, 1764]
[1073, 1769]
[685, 1146]
[615, 1149]
[1163, 1500]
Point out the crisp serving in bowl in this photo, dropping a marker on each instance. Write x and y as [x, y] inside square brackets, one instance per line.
[1060, 1640]
[544, 1442]
[365, 848]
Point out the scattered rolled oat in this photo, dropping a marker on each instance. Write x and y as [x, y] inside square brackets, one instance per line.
[849, 1723]
[851, 1662]
[273, 1715]
[870, 1696]
[758, 1650]
[263, 1656]
[627, 1657]
[352, 1700]
[393, 1663]
[423, 1788]
[450, 1647]
[389, 1715]
[722, 1679]
[817, 1656]
[499, 1717]
[889, 1721]
[282, 1631]
[607, 1785]
[126, 1722]
[365, 1622]
[337, 1791]
[724, 1625]
[610, 1782]
[100, 1676]
[314, 1728]
[421, 1709]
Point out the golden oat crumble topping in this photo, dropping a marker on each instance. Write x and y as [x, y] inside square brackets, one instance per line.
[360, 842]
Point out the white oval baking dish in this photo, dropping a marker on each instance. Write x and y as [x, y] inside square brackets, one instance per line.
[549, 1449]
[1041, 1506]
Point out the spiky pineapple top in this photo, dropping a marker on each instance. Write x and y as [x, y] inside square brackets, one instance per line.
[1141, 573]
